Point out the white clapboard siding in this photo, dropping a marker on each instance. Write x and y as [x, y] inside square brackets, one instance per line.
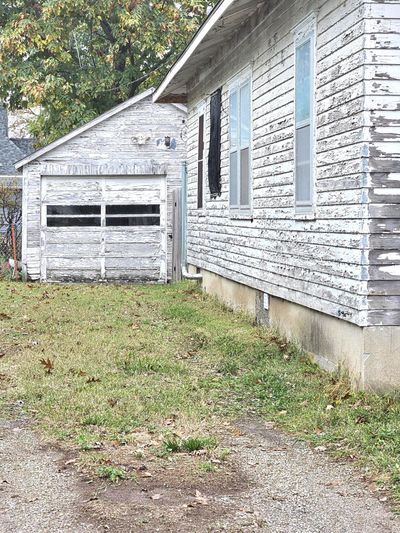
[382, 91]
[101, 163]
[325, 263]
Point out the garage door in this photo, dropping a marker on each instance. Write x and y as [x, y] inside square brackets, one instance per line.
[99, 229]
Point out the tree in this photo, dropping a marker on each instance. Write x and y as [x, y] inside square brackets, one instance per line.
[77, 58]
[10, 215]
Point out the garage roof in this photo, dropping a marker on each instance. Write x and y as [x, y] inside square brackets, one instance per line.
[85, 127]
[223, 21]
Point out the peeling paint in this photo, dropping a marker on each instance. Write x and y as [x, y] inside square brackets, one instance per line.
[393, 270]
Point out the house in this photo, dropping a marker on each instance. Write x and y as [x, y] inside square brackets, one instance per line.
[97, 202]
[293, 184]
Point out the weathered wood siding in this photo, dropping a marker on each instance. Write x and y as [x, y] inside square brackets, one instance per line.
[382, 103]
[321, 263]
[109, 149]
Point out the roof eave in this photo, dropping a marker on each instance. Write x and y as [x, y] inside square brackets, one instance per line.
[163, 94]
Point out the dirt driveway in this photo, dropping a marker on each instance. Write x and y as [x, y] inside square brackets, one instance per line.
[271, 484]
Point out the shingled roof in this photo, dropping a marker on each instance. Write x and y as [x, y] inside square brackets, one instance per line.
[11, 150]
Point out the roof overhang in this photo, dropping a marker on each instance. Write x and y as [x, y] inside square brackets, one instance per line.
[226, 17]
[108, 114]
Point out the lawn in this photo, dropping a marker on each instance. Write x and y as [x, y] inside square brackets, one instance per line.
[123, 372]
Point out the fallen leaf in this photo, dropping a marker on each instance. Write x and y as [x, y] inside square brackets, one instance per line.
[3, 316]
[93, 380]
[112, 402]
[330, 407]
[156, 497]
[202, 500]
[48, 365]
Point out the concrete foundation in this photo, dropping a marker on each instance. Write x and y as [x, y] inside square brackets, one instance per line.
[370, 354]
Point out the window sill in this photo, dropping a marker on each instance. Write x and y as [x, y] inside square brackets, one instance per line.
[241, 215]
[305, 216]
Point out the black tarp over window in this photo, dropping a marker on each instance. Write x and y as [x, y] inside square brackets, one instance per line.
[214, 153]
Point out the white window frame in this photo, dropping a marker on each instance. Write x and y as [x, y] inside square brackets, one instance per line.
[304, 32]
[235, 84]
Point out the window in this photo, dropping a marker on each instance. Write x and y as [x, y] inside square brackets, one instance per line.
[304, 118]
[60, 216]
[200, 161]
[240, 139]
[133, 215]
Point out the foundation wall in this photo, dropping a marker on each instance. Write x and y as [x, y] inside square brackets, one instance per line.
[370, 354]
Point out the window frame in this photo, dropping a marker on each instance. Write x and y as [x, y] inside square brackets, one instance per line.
[303, 33]
[235, 85]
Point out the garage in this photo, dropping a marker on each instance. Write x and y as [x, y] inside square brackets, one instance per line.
[98, 203]
[102, 229]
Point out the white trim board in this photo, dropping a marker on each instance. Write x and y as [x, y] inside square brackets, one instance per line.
[207, 26]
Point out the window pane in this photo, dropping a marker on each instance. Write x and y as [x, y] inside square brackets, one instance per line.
[138, 209]
[73, 210]
[132, 221]
[244, 177]
[245, 115]
[303, 165]
[233, 182]
[62, 222]
[303, 81]
[233, 120]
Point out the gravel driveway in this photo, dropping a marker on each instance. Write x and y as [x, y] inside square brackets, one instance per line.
[276, 485]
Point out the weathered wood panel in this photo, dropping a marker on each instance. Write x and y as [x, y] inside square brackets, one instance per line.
[89, 161]
[382, 92]
[321, 263]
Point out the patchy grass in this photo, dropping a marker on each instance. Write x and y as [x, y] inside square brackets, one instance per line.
[124, 373]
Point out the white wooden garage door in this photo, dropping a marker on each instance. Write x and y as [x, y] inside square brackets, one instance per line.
[99, 229]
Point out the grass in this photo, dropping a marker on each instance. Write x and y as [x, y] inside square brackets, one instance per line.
[158, 370]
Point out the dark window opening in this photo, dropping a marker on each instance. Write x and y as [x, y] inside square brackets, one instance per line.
[214, 153]
[200, 162]
[62, 222]
[73, 210]
[132, 221]
[133, 210]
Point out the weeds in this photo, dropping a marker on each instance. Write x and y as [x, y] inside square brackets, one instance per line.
[117, 382]
[112, 473]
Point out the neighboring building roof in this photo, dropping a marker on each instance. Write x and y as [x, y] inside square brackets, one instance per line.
[25, 144]
[91, 124]
[226, 17]
[11, 150]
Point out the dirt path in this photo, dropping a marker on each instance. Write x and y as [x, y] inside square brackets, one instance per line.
[275, 485]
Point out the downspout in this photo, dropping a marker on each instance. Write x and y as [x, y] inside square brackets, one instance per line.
[185, 273]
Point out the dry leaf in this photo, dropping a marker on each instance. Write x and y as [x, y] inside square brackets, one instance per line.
[48, 365]
[3, 316]
[202, 500]
[156, 497]
[93, 380]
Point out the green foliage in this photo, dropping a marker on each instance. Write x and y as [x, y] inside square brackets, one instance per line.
[112, 473]
[76, 59]
[188, 445]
